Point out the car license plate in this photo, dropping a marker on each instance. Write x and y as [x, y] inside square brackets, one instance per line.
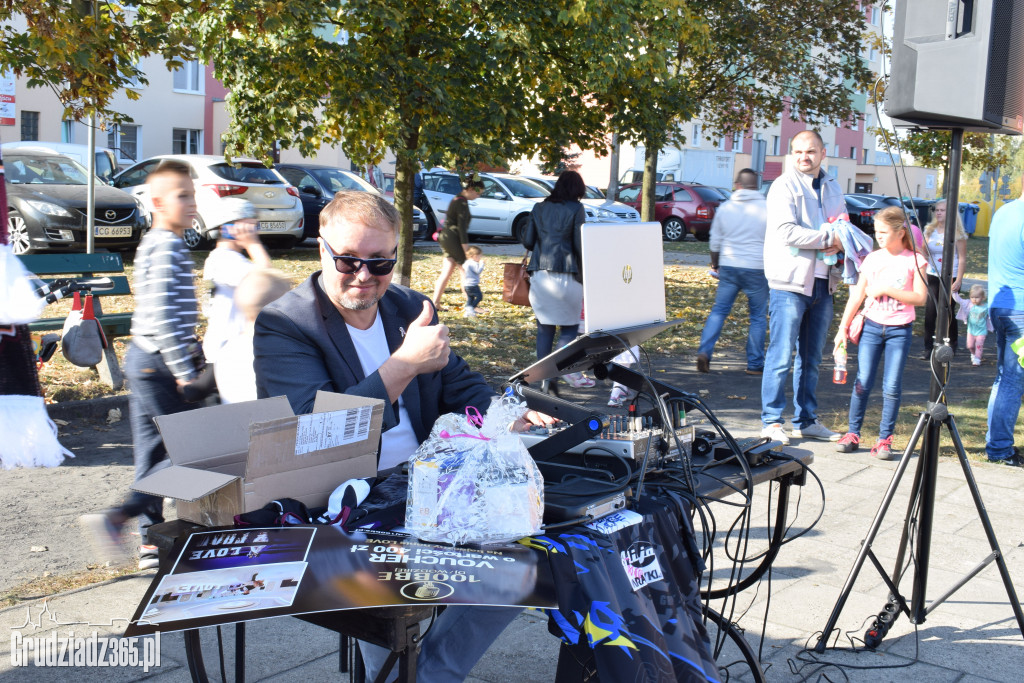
[113, 231]
[271, 226]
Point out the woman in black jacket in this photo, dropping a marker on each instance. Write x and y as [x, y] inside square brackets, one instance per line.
[556, 275]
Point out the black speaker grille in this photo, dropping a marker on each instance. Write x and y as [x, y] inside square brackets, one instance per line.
[998, 60]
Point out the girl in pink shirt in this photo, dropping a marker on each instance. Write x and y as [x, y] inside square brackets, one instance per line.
[892, 282]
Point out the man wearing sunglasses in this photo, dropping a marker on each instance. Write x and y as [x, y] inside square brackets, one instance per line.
[348, 329]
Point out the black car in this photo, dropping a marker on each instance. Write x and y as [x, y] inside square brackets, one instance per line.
[317, 184]
[861, 214]
[47, 194]
[880, 201]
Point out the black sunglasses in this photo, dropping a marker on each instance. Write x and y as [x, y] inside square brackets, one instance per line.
[347, 265]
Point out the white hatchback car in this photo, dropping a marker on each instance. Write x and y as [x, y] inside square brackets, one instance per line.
[277, 203]
[502, 209]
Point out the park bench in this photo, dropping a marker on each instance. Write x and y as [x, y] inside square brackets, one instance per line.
[84, 266]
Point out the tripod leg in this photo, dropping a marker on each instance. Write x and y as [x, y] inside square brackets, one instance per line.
[865, 548]
[911, 504]
[929, 474]
[986, 523]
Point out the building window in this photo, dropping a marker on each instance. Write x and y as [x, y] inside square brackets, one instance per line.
[29, 125]
[737, 140]
[67, 131]
[875, 15]
[123, 138]
[696, 135]
[185, 141]
[775, 145]
[853, 153]
[835, 151]
[864, 159]
[189, 78]
[873, 54]
[721, 143]
[794, 111]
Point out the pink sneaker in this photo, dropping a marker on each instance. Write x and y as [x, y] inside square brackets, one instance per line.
[578, 380]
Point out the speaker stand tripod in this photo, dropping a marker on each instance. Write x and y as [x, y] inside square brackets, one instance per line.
[922, 494]
[922, 498]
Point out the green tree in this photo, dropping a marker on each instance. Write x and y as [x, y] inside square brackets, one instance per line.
[84, 52]
[981, 151]
[447, 82]
[733, 63]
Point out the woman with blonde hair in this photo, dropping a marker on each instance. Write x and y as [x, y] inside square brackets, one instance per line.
[934, 236]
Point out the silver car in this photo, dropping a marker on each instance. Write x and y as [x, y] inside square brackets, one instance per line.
[277, 203]
[599, 208]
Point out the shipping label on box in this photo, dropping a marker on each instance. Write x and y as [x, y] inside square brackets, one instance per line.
[320, 431]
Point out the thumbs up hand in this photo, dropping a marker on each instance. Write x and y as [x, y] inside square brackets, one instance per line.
[426, 346]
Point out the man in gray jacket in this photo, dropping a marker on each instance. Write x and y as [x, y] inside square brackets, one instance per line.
[737, 257]
[800, 203]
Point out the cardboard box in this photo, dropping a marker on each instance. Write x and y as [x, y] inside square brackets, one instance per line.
[238, 457]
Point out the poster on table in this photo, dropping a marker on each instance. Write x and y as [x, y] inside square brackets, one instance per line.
[223, 576]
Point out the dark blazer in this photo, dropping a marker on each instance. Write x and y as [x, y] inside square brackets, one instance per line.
[301, 345]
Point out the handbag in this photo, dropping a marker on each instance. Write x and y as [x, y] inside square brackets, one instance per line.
[856, 327]
[516, 285]
[82, 339]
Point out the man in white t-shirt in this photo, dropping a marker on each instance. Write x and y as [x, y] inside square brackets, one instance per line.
[349, 329]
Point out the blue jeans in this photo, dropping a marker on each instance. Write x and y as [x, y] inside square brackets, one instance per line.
[452, 647]
[878, 341]
[154, 392]
[797, 322]
[546, 337]
[473, 295]
[731, 281]
[1004, 401]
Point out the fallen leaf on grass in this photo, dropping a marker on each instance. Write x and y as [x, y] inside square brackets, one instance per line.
[62, 423]
[736, 398]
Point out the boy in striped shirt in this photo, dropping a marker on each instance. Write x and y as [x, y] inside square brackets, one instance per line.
[164, 357]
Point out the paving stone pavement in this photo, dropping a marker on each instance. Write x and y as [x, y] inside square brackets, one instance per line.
[973, 636]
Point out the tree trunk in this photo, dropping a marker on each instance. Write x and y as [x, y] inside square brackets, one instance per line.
[405, 169]
[613, 177]
[650, 180]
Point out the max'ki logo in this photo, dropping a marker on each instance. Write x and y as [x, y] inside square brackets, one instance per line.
[627, 273]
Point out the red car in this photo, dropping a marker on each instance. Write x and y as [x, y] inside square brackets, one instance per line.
[680, 207]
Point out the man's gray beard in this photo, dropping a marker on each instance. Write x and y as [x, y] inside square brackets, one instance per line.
[357, 304]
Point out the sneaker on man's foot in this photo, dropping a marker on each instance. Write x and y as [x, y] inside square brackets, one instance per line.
[815, 430]
[775, 432]
[149, 557]
[105, 536]
[468, 312]
[883, 449]
[703, 363]
[975, 361]
[848, 443]
[1015, 459]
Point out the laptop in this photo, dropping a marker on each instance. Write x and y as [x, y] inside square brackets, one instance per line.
[623, 276]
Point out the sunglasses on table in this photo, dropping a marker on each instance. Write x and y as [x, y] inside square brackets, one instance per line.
[349, 265]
